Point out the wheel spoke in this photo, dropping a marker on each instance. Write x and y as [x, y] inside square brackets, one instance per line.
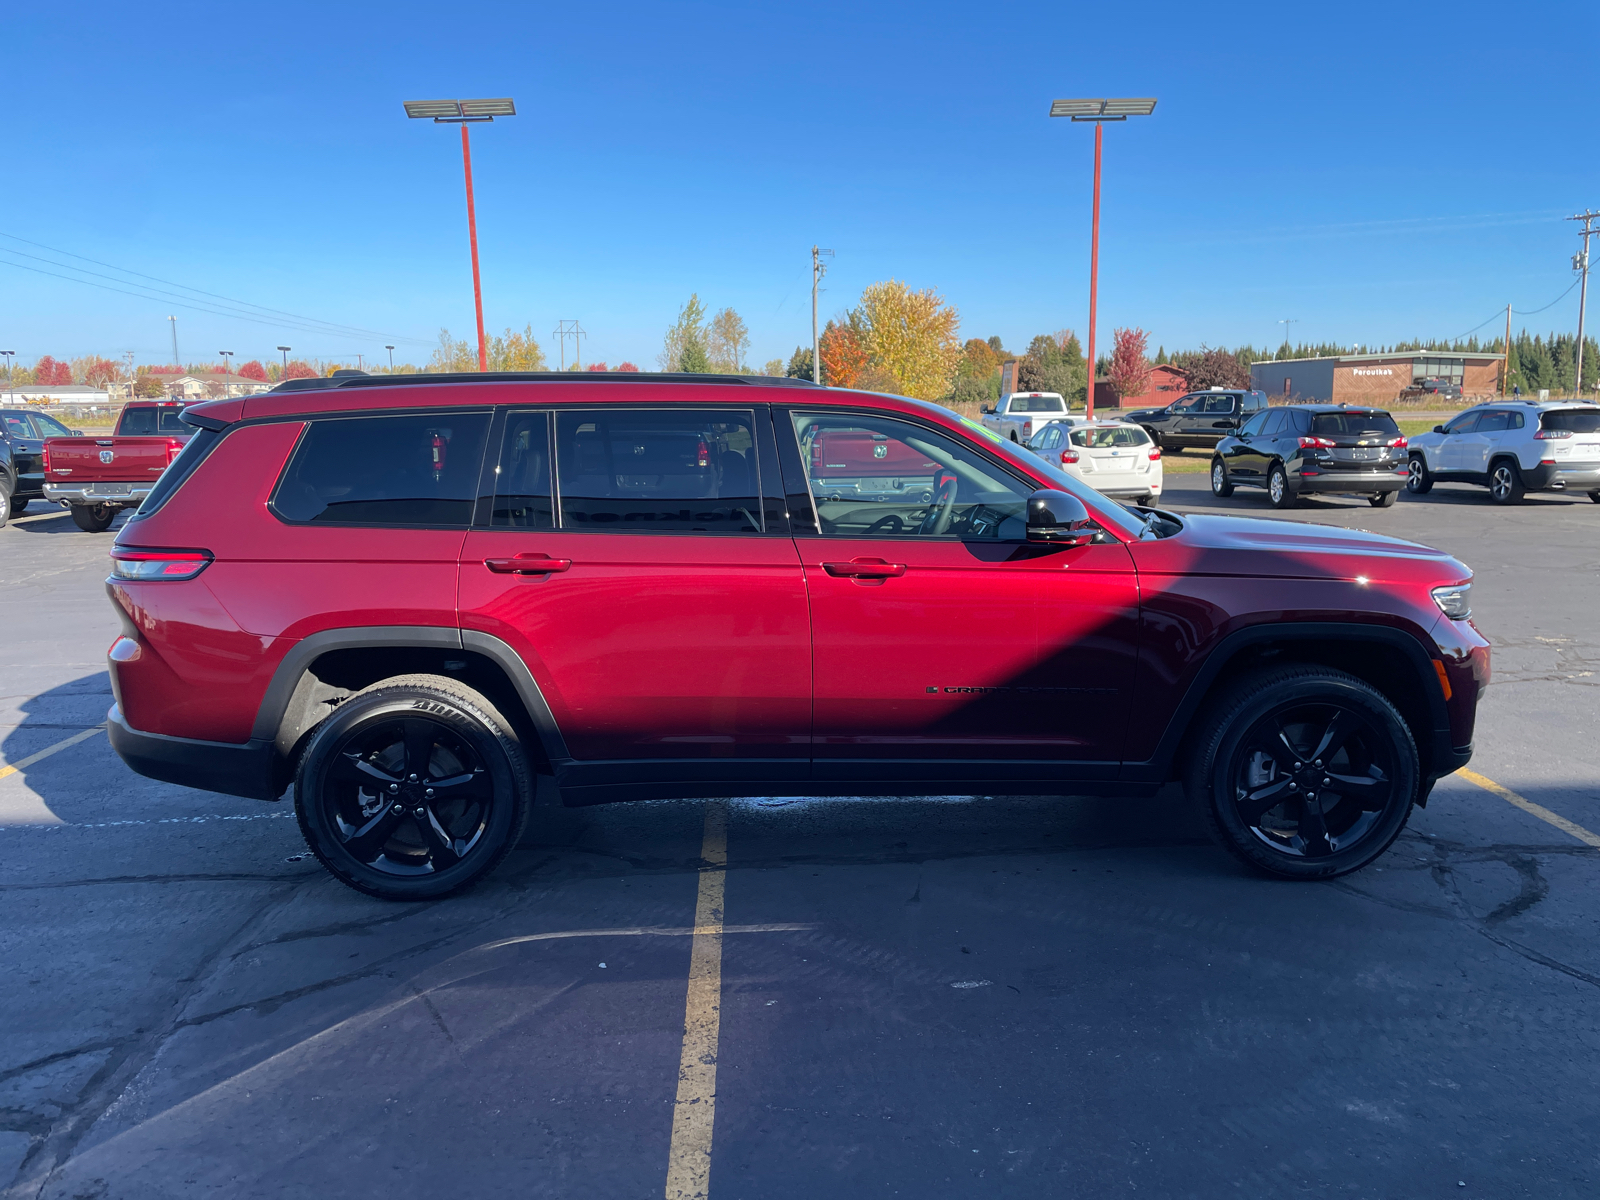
[1339, 729]
[1288, 743]
[419, 747]
[467, 786]
[1254, 805]
[366, 843]
[441, 846]
[1369, 791]
[1314, 830]
[350, 767]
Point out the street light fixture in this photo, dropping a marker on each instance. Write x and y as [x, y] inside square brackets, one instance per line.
[227, 370]
[285, 350]
[464, 113]
[1099, 111]
[8, 355]
[390, 349]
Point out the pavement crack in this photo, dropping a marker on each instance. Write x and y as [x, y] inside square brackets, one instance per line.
[343, 927]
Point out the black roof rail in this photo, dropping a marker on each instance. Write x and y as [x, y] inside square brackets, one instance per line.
[344, 379]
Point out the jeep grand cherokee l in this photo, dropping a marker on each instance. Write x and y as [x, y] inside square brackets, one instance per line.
[410, 597]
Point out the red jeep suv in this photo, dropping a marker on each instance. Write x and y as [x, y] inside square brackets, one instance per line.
[410, 596]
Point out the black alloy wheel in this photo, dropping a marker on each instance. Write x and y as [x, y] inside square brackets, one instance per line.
[413, 789]
[1220, 484]
[1384, 499]
[1505, 482]
[1305, 772]
[1278, 490]
[1419, 481]
[93, 519]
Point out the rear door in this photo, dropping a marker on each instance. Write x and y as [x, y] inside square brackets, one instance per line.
[945, 646]
[659, 607]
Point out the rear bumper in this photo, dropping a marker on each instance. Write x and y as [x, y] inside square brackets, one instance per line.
[1578, 476]
[249, 769]
[1126, 488]
[90, 493]
[1386, 480]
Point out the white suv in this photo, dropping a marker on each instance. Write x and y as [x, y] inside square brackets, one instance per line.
[1116, 458]
[1512, 448]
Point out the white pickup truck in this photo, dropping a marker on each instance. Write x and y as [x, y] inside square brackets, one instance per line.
[1020, 415]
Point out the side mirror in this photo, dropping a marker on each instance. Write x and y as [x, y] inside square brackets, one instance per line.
[1438, 428]
[1059, 517]
[986, 409]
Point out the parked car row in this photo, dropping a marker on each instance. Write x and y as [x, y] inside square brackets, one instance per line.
[22, 437]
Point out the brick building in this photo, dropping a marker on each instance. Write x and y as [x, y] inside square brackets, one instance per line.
[1375, 378]
[1166, 384]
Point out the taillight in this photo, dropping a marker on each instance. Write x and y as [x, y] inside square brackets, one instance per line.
[174, 448]
[1398, 443]
[47, 456]
[1069, 456]
[131, 563]
[1544, 435]
[1316, 443]
[1155, 454]
[703, 453]
[1027, 428]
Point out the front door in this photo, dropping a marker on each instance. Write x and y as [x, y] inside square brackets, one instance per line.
[1212, 419]
[1247, 457]
[660, 609]
[946, 646]
[1460, 445]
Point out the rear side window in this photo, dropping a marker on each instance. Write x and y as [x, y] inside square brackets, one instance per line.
[1493, 422]
[658, 470]
[522, 476]
[151, 422]
[1356, 425]
[405, 470]
[1037, 404]
[1574, 420]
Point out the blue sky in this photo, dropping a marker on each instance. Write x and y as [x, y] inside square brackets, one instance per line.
[1372, 171]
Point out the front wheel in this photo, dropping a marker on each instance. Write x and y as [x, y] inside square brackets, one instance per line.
[93, 518]
[1595, 496]
[1304, 772]
[1505, 483]
[5, 501]
[18, 507]
[1418, 480]
[1219, 479]
[1384, 499]
[1278, 490]
[413, 789]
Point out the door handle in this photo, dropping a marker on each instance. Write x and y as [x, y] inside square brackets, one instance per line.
[864, 568]
[527, 564]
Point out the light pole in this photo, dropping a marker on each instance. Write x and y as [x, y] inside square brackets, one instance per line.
[464, 113]
[1580, 264]
[1099, 112]
[227, 370]
[390, 349]
[8, 355]
[285, 350]
[818, 270]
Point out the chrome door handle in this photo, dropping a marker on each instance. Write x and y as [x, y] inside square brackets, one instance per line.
[859, 568]
[527, 564]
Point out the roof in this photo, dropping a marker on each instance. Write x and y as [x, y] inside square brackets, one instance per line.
[1478, 355]
[345, 379]
[1332, 408]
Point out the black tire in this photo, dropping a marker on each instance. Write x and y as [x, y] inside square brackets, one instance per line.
[5, 501]
[1278, 490]
[416, 846]
[18, 507]
[1384, 499]
[1505, 482]
[1595, 496]
[1288, 714]
[1419, 480]
[1014, 438]
[93, 518]
[1220, 484]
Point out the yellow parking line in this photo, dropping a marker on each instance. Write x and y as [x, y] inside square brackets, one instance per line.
[1528, 806]
[689, 1159]
[21, 763]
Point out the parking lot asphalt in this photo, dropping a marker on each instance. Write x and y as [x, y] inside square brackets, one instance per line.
[946, 996]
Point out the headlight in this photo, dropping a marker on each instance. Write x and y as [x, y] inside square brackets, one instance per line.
[1454, 601]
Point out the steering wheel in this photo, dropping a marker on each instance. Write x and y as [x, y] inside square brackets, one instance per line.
[882, 523]
[943, 506]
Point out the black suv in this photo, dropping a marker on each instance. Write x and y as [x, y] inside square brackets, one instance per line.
[1314, 448]
[1200, 419]
[22, 435]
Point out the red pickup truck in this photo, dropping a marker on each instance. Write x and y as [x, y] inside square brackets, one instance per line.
[97, 476]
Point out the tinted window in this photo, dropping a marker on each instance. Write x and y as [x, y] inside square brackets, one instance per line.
[1578, 420]
[1493, 422]
[522, 474]
[1106, 437]
[151, 422]
[684, 470]
[1187, 404]
[410, 470]
[1296, 422]
[1465, 423]
[1217, 404]
[50, 427]
[1255, 425]
[16, 425]
[874, 476]
[1356, 425]
[1037, 404]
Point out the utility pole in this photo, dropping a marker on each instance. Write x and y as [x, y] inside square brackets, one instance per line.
[175, 361]
[564, 330]
[1286, 322]
[818, 270]
[1505, 367]
[1580, 263]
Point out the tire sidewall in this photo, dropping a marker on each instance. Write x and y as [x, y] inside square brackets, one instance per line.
[1417, 481]
[389, 704]
[1330, 689]
[1219, 479]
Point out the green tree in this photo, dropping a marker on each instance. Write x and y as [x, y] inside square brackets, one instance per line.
[1054, 363]
[515, 351]
[774, 368]
[800, 364]
[451, 355]
[727, 340]
[685, 339]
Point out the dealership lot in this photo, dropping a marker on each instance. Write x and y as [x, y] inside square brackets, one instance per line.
[928, 997]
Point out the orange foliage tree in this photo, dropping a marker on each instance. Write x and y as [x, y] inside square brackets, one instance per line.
[1130, 368]
[253, 370]
[844, 355]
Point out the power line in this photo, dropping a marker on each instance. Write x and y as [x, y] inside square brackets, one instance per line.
[1552, 304]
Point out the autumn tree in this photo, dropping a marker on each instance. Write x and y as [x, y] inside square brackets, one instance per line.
[300, 369]
[1130, 369]
[627, 366]
[513, 352]
[149, 387]
[253, 370]
[911, 336]
[844, 354]
[599, 366]
[683, 348]
[51, 372]
[773, 368]
[450, 355]
[1213, 368]
[727, 340]
[94, 370]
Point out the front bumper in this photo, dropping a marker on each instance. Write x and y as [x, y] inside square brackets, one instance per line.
[96, 493]
[249, 769]
[1387, 480]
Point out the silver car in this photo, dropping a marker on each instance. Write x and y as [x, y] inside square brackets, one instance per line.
[1116, 458]
[1511, 447]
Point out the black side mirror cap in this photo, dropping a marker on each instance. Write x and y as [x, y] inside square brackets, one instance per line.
[1438, 428]
[1059, 517]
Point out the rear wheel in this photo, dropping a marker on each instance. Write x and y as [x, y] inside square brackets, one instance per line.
[1278, 490]
[1014, 437]
[1595, 496]
[1505, 483]
[5, 501]
[1419, 482]
[1384, 499]
[93, 518]
[413, 789]
[1304, 772]
[1220, 485]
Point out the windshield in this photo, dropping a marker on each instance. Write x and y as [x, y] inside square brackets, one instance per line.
[1103, 438]
[1037, 404]
[1356, 425]
[1115, 514]
[147, 422]
[1574, 420]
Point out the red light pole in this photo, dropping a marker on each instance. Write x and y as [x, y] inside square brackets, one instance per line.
[464, 112]
[1098, 111]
